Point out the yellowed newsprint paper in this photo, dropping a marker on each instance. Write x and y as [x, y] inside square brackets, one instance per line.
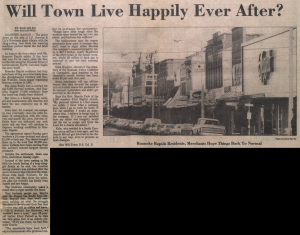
[141, 74]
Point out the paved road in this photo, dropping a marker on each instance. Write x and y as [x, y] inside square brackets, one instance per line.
[108, 131]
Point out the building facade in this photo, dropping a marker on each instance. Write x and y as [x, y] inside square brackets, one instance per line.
[167, 77]
[192, 74]
[246, 82]
[218, 56]
[269, 81]
[143, 82]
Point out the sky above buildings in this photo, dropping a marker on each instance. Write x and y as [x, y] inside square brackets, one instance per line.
[122, 46]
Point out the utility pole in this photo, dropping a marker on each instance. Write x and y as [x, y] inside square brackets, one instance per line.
[202, 102]
[202, 92]
[128, 94]
[159, 97]
[108, 105]
[153, 84]
[158, 91]
[291, 75]
[122, 97]
[128, 91]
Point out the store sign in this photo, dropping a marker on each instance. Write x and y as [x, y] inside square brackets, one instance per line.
[236, 74]
[266, 66]
[149, 77]
[196, 94]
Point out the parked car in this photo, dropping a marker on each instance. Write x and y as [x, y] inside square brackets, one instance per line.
[136, 126]
[187, 129]
[159, 129]
[210, 127]
[105, 117]
[176, 130]
[120, 123]
[148, 124]
[111, 121]
[127, 124]
[123, 124]
[105, 122]
[152, 129]
[114, 124]
[166, 129]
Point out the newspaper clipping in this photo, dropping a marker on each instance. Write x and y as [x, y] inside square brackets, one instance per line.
[139, 74]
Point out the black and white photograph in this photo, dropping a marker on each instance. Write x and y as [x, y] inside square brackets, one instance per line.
[237, 81]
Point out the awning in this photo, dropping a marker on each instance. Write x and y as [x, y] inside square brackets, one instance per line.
[168, 101]
[177, 101]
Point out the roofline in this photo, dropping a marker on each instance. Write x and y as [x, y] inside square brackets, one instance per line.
[169, 60]
[262, 38]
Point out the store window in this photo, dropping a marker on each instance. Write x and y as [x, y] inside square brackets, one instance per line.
[214, 75]
[148, 90]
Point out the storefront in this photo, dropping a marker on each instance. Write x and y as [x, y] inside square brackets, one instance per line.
[270, 116]
[269, 82]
